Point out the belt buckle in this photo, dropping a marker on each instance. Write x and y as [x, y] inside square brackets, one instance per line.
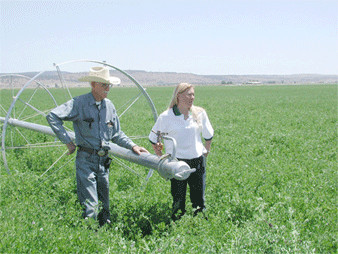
[102, 152]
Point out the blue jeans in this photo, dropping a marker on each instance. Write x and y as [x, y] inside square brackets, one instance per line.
[93, 185]
[196, 183]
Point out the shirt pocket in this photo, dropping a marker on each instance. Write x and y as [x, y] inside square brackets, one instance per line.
[111, 128]
[88, 126]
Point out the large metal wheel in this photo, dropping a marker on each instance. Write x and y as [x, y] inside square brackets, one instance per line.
[25, 150]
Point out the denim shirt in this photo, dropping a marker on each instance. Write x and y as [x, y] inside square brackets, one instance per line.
[92, 125]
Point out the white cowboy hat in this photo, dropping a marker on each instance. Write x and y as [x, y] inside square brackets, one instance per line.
[101, 75]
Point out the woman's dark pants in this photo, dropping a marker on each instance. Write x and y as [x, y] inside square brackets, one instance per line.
[196, 183]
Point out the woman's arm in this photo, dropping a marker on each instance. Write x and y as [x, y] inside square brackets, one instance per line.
[207, 146]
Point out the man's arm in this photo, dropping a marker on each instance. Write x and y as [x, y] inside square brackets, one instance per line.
[138, 150]
[55, 120]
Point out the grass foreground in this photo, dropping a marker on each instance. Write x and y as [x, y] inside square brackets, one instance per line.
[271, 185]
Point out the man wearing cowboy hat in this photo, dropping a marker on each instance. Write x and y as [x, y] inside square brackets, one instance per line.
[95, 122]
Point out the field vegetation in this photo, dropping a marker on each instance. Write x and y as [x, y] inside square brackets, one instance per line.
[271, 182]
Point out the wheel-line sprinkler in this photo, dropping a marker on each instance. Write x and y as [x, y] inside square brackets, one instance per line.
[167, 168]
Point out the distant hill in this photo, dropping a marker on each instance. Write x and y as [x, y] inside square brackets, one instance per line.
[51, 79]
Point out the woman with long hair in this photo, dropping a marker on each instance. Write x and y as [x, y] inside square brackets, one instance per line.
[187, 124]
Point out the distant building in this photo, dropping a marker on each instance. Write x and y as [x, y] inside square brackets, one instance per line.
[253, 82]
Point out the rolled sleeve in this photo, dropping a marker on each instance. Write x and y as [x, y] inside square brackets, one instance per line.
[56, 117]
[207, 131]
[121, 139]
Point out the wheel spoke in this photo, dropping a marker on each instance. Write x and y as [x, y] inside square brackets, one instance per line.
[3, 109]
[137, 97]
[125, 166]
[27, 104]
[37, 145]
[51, 166]
[62, 80]
[32, 107]
[66, 163]
[35, 115]
[12, 88]
[138, 137]
[21, 135]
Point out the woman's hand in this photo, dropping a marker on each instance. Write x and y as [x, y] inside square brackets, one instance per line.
[207, 147]
[158, 147]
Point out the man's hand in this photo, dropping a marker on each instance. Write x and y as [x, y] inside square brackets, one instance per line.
[71, 148]
[138, 150]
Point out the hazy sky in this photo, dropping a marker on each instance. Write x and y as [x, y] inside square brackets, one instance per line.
[222, 37]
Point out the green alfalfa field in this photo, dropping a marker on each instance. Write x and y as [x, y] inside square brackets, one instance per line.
[271, 183]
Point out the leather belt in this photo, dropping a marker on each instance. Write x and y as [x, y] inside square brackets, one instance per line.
[100, 152]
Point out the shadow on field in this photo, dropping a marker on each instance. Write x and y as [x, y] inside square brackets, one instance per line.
[142, 220]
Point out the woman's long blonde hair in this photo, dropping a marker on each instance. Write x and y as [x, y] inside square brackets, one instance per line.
[181, 88]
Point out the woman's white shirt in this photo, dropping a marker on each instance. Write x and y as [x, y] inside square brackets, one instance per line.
[187, 133]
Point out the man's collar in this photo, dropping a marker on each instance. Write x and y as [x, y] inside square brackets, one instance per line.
[93, 101]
